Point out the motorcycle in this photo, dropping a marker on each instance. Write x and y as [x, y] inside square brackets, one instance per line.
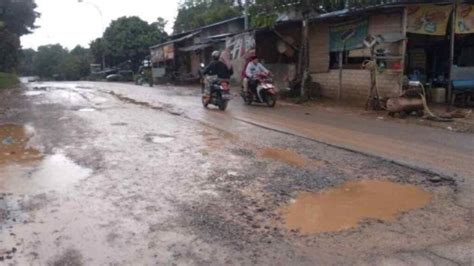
[264, 91]
[218, 94]
[145, 74]
[144, 78]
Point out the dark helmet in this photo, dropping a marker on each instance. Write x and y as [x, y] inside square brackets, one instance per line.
[215, 55]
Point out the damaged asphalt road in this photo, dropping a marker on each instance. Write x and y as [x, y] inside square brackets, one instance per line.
[90, 175]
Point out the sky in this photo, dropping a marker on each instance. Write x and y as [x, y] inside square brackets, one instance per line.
[71, 23]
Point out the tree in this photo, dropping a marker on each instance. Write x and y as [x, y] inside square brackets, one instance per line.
[9, 46]
[128, 38]
[16, 19]
[197, 13]
[27, 58]
[48, 60]
[56, 62]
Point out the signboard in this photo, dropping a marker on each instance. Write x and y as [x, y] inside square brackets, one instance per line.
[240, 45]
[348, 36]
[168, 51]
[162, 53]
[465, 19]
[428, 19]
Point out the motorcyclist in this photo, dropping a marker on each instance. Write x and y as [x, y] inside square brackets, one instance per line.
[217, 68]
[145, 72]
[253, 69]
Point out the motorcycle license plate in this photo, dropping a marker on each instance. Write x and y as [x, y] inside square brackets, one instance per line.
[227, 96]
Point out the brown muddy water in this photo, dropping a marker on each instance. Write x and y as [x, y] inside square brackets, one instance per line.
[286, 156]
[344, 207]
[25, 170]
[14, 145]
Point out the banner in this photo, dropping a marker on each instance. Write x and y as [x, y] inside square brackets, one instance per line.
[428, 19]
[465, 19]
[239, 46]
[348, 36]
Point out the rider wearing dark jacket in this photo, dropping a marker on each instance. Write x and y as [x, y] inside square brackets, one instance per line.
[218, 68]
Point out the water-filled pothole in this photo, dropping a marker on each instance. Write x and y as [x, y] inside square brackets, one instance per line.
[344, 207]
[159, 138]
[286, 156]
[25, 170]
[14, 144]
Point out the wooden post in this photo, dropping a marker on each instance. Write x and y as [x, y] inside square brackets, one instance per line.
[404, 47]
[304, 56]
[341, 57]
[451, 52]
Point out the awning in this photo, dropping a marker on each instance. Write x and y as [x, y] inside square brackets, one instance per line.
[176, 40]
[195, 47]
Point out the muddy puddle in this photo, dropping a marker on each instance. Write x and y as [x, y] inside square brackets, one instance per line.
[345, 207]
[286, 156]
[54, 172]
[87, 110]
[25, 170]
[159, 138]
[14, 145]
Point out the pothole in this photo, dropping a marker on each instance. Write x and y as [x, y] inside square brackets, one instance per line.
[54, 172]
[344, 207]
[87, 110]
[14, 144]
[286, 156]
[159, 138]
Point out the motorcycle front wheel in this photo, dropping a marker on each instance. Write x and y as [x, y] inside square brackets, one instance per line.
[205, 101]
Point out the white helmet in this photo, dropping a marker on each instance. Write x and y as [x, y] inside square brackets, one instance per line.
[216, 54]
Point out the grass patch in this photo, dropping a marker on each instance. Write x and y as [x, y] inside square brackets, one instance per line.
[8, 80]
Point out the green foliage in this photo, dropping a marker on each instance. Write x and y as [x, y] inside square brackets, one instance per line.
[263, 12]
[9, 49]
[7, 80]
[197, 13]
[128, 38]
[17, 18]
[26, 62]
[56, 62]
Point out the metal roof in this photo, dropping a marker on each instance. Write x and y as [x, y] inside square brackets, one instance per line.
[385, 6]
[189, 34]
[210, 25]
[176, 40]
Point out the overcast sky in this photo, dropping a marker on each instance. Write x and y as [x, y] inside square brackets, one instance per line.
[71, 23]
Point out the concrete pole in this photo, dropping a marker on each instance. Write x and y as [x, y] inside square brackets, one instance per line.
[451, 52]
[102, 22]
[246, 14]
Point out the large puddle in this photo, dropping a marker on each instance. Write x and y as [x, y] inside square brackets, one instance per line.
[345, 207]
[26, 170]
[14, 145]
[286, 156]
[54, 172]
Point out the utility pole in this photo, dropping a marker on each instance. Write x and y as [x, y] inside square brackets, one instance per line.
[246, 14]
[102, 22]
[451, 52]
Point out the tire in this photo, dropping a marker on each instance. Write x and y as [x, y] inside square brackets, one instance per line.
[248, 99]
[223, 105]
[271, 100]
[204, 102]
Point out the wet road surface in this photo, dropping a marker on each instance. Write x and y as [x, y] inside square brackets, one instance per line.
[97, 173]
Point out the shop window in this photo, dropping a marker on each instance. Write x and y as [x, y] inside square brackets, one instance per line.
[348, 62]
[466, 57]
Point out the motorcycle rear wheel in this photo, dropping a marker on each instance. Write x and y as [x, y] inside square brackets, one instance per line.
[271, 100]
[223, 105]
